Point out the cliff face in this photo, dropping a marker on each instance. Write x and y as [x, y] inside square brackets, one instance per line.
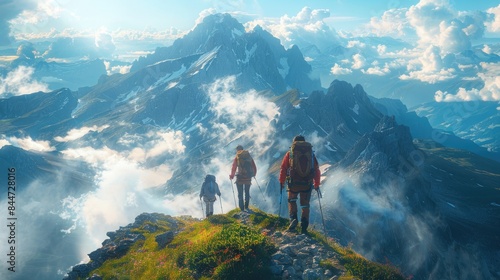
[238, 245]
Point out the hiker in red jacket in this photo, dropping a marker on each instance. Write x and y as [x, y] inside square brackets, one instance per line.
[301, 170]
[244, 164]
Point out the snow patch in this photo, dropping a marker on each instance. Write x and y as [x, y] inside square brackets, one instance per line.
[168, 77]
[236, 33]
[204, 60]
[355, 109]
[285, 68]
[329, 147]
[248, 54]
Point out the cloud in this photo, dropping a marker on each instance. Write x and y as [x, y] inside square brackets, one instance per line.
[490, 76]
[377, 70]
[126, 181]
[104, 42]
[79, 47]
[392, 23]
[247, 115]
[429, 67]
[10, 10]
[358, 61]
[436, 23]
[77, 133]
[27, 144]
[494, 24]
[20, 81]
[305, 29]
[339, 70]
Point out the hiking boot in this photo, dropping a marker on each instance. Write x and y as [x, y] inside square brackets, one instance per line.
[303, 230]
[304, 224]
[293, 225]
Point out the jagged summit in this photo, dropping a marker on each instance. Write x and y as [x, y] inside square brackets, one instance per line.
[256, 57]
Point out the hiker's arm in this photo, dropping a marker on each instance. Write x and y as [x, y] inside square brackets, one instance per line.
[218, 190]
[233, 168]
[285, 164]
[254, 168]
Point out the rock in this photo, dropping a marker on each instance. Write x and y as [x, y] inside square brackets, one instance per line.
[164, 239]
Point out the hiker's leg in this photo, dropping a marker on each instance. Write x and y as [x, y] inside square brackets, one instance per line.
[292, 209]
[292, 204]
[305, 197]
[247, 195]
[240, 196]
[207, 206]
[211, 207]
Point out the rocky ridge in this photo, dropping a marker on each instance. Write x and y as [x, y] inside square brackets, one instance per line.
[297, 256]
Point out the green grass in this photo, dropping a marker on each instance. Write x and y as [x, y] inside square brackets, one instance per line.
[357, 266]
[221, 247]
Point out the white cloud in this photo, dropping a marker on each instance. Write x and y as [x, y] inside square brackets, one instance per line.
[120, 69]
[27, 144]
[429, 67]
[246, 113]
[487, 49]
[452, 37]
[139, 148]
[339, 70]
[355, 43]
[77, 133]
[393, 23]
[307, 28]
[44, 10]
[489, 74]
[435, 22]
[494, 24]
[358, 61]
[377, 70]
[20, 81]
[426, 17]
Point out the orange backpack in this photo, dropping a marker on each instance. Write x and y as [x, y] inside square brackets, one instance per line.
[301, 165]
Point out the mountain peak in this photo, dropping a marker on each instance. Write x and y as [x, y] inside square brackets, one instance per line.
[220, 21]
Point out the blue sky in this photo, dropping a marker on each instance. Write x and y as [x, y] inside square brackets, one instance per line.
[436, 33]
[57, 16]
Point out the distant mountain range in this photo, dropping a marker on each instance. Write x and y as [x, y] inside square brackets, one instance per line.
[392, 187]
[478, 121]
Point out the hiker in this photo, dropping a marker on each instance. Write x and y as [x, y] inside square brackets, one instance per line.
[209, 189]
[301, 170]
[243, 162]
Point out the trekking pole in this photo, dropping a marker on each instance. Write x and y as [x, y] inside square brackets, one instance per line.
[202, 210]
[321, 209]
[235, 205]
[220, 200]
[281, 199]
[260, 189]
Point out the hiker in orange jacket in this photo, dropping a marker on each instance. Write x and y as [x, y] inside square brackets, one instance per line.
[300, 181]
[245, 165]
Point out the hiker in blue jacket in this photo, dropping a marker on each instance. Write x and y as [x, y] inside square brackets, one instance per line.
[209, 189]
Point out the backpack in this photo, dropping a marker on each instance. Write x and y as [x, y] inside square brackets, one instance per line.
[245, 166]
[301, 165]
[210, 185]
